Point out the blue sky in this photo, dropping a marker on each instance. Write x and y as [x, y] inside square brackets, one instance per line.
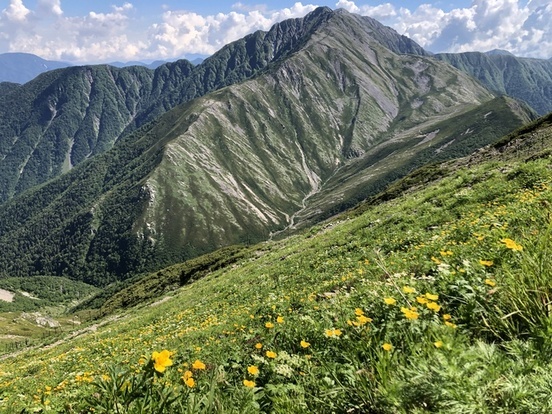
[93, 31]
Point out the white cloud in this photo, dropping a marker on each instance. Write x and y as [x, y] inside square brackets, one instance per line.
[121, 33]
[522, 28]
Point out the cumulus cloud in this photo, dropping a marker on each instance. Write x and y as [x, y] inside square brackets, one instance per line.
[521, 27]
[121, 32]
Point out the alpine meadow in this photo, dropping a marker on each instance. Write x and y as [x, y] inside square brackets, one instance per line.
[319, 218]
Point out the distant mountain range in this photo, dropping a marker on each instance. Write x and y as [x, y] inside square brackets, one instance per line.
[22, 67]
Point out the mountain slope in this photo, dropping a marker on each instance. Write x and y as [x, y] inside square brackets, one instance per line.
[434, 301]
[23, 67]
[526, 79]
[242, 162]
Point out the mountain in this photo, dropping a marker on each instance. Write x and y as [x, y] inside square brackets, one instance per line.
[23, 67]
[320, 121]
[153, 65]
[527, 79]
[66, 116]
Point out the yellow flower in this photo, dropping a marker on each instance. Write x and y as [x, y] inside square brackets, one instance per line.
[280, 319]
[187, 374]
[253, 370]
[269, 325]
[249, 384]
[258, 345]
[446, 253]
[190, 382]
[421, 300]
[363, 320]
[450, 324]
[431, 296]
[271, 354]
[438, 344]
[510, 244]
[359, 312]
[161, 360]
[490, 282]
[198, 365]
[486, 263]
[435, 260]
[408, 289]
[447, 317]
[390, 300]
[410, 313]
[305, 344]
[433, 306]
[333, 332]
[387, 347]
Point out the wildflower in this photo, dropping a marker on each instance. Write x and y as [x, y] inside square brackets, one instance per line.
[408, 289]
[187, 374]
[363, 320]
[421, 300]
[333, 332]
[269, 325]
[305, 344]
[438, 344]
[433, 306]
[190, 382]
[198, 365]
[447, 317]
[161, 360]
[387, 347]
[359, 312]
[446, 253]
[431, 296]
[410, 313]
[280, 319]
[271, 354]
[249, 384]
[435, 260]
[253, 370]
[490, 282]
[450, 324]
[390, 300]
[486, 263]
[512, 245]
[258, 345]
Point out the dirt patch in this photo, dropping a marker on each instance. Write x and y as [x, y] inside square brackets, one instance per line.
[6, 295]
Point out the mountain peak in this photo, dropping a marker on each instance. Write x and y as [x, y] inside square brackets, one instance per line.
[499, 52]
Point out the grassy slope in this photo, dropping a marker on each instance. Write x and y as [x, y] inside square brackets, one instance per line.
[478, 238]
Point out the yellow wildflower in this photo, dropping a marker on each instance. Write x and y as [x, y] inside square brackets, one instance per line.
[490, 282]
[305, 344]
[510, 244]
[421, 300]
[271, 354]
[359, 312]
[447, 317]
[187, 374]
[363, 320]
[258, 345]
[410, 313]
[387, 347]
[438, 344]
[198, 365]
[269, 325]
[433, 306]
[450, 324]
[280, 319]
[446, 253]
[431, 296]
[435, 260]
[333, 332]
[190, 382]
[253, 370]
[161, 360]
[486, 263]
[390, 300]
[249, 384]
[408, 289]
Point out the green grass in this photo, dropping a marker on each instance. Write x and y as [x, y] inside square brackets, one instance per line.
[334, 306]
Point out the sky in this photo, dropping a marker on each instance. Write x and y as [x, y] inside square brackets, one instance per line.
[95, 31]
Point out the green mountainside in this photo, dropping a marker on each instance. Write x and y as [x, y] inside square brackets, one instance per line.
[433, 298]
[527, 79]
[328, 123]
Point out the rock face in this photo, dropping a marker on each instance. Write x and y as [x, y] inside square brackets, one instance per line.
[332, 110]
